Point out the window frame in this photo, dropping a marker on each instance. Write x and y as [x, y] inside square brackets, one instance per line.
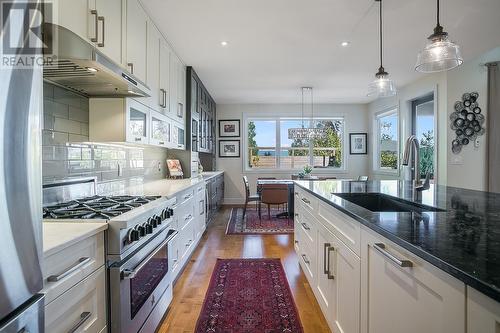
[376, 143]
[277, 120]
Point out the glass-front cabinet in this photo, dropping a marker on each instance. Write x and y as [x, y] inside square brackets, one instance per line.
[161, 130]
[178, 137]
[137, 129]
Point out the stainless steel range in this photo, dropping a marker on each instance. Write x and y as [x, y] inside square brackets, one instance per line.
[140, 231]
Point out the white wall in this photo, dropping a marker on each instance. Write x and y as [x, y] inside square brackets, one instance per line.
[355, 116]
[467, 169]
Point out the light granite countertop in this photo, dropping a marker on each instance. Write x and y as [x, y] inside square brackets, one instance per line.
[166, 187]
[58, 236]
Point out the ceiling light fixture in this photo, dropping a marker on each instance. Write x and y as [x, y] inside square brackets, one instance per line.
[223, 43]
[382, 86]
[345, 43]
[440, 54]
[311, 132]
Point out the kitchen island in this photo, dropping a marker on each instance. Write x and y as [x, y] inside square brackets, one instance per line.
[436, 261]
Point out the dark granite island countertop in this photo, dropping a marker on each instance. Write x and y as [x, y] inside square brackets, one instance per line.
[463, 240]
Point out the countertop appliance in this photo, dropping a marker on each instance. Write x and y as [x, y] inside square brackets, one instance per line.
[139, 236]
[21, 305]
[82, 68]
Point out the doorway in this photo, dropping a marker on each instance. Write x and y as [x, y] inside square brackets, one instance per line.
[423, 127]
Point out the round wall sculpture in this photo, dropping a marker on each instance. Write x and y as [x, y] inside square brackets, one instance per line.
[467, 121]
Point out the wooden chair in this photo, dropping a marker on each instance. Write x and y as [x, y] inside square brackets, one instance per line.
[274, 194]
[363, 178]
[249, 198]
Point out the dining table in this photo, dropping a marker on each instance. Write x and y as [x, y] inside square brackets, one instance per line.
[289, 183]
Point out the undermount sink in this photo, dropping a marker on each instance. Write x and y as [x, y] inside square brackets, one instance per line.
[378, 202]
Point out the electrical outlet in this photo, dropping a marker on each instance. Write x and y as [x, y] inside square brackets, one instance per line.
[477, 143]
[159, 166]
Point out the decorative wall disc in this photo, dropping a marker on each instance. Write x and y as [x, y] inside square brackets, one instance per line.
[467, 121]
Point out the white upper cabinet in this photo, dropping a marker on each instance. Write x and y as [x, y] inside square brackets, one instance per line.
[109, 28]
[99, 22]
[165, 76]
[181, 93]
[153, 68]
[137, 27]
[175, 63]
[403, 293]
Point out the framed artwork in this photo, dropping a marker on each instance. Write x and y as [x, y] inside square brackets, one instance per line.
[174, 168]
[229, 148]
[358, 144]
[229, 128]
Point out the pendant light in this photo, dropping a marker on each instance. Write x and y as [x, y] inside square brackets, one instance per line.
[440, 54]
[304, 133]
[382, 86]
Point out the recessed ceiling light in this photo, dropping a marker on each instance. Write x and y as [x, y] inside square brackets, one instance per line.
[223, 43]
[345, 43]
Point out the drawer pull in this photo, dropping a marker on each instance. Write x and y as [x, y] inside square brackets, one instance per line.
[326, 257]
[138, 139]
[80, 263]
[161, 143]
[187, 218]
[380, 247]
[305, 226]
[187, 196]
[296, 214]
[102, 19]
[94, 12]
[328, 273]
[304, 257]
[83, 318]
[306, 201]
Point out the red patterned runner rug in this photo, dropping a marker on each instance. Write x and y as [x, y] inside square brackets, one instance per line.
[252, 225]
[248, 296]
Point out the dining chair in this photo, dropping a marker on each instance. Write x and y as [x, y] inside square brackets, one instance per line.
[295, 177]
[266, 178]
[249, 198]
[326, 177]
[274, 194]
[363, 178]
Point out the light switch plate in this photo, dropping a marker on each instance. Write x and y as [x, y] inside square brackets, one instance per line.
[457, 160]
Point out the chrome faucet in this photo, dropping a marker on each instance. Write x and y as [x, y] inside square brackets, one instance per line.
[412, 142]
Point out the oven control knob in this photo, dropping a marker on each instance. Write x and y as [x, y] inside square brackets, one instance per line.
[158, 219]
[165, 214]
[141, 230]
[132, 236]
[171, 211]
[152, 222]
[149, 228]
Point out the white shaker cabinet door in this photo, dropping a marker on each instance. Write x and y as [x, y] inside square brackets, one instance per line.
[165, 77]
[483, 313]
[403, 293]
[109, 36]
[157, 98]
[79, 16]
[137, 22]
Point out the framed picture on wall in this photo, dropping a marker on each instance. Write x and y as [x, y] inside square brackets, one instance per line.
[358, 144]
[229, 148]
[229, 128]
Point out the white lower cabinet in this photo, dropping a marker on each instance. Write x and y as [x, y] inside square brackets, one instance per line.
[80, 309]
[337, 286]
[403, 293]
[483, 313]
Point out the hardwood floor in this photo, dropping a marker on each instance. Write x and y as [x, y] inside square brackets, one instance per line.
[190, 289]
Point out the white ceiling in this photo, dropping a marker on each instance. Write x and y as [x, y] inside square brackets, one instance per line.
[277, 46]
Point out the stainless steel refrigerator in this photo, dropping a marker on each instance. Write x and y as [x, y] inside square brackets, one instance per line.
[21, 100]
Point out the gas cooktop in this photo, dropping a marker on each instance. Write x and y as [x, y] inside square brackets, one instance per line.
[96, 207]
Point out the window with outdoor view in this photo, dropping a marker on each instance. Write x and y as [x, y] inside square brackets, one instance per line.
[269, 147]
[388, 141]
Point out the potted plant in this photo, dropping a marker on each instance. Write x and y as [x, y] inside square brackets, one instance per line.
[307, 171]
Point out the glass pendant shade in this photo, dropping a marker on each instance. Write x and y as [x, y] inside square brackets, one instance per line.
[440, 54]
[311, 132]
[382, 86]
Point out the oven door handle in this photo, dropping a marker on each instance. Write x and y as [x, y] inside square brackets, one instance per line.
[130, 274]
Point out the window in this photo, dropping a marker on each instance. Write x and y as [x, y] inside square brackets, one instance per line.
[423, 128]
[268, 145]
[387, 143]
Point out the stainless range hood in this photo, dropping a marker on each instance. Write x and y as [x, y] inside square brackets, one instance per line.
[77, 65]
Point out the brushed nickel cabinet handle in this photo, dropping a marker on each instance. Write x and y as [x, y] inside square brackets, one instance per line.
[326, 262]
[380, 247]
[94, 12]
[131, 65]
[306, 201]
[305, 226]
[329, 274]
[161, 143]
[84, 316]
[101, 18]
[80, 263]
[138, 139]
[304, 257]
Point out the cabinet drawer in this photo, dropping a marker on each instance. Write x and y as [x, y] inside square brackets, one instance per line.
[344, 227]
[82, 308]
[307, 260]
[308, 201]
[184, 197]
[308, 226]
[64, 269]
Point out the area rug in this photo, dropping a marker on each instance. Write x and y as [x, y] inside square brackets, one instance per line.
[249, 296]
[252, 225]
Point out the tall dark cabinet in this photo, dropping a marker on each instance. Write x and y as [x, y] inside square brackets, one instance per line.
[201, 122]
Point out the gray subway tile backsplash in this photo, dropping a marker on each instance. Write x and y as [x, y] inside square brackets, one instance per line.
[68, 153]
